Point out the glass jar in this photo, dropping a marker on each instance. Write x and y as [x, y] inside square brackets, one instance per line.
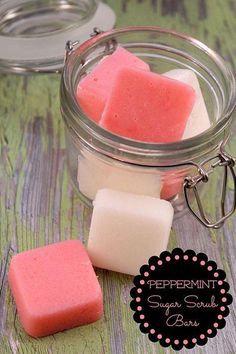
[97, 158]
[33, 33]
[43, 17]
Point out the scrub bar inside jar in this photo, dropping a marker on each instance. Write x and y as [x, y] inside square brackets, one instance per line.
[147, 107]
[55, 288]
[94, 89]
[95, 172]
[127, 229]
[197, 123]
[198, 120]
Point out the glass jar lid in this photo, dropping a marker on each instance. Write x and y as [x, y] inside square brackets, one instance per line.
[33, 33]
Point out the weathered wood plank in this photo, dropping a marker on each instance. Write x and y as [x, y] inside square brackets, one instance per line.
[39, 206]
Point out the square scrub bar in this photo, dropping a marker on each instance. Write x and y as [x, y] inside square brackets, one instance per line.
[94, 89]
[148, 107]
[95, 173]
[127, 229]
[197, 123]
[55, 288]
[198, 120]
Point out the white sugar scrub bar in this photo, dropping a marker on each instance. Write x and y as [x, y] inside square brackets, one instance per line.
[197, 123]
[127, 229]
[198, 120]
[95, 173]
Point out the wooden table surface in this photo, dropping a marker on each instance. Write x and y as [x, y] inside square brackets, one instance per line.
[38, 204]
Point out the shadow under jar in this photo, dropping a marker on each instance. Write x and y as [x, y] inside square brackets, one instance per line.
[99, 159]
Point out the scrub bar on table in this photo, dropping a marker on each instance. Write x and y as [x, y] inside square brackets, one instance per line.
[127, 229]
[55, 288]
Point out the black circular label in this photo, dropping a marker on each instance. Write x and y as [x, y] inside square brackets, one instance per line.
[180, 299]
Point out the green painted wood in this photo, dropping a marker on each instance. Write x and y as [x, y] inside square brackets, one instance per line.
[39, 206]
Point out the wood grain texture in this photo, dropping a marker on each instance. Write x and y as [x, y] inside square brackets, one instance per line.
[38, 204]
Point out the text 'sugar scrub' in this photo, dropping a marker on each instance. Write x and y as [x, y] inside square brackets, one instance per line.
[180, 299]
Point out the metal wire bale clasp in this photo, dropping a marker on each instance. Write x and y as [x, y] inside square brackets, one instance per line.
[224, 160]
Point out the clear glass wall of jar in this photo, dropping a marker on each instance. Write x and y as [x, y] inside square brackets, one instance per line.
[98, 158]
[43, 17]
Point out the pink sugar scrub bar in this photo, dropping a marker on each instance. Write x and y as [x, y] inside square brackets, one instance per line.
[94, 89]
[147, 107]
[55, 288]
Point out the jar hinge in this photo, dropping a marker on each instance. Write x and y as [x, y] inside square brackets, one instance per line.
[110, 45]
[70, 46]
